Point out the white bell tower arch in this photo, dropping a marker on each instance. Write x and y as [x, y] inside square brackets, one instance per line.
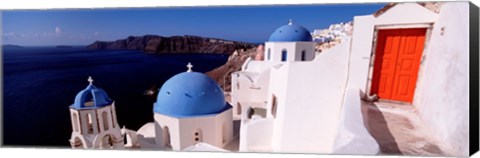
[94, 121]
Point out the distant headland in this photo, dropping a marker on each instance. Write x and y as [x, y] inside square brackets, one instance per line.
[11, 46]
[63, 46]
[174, 44]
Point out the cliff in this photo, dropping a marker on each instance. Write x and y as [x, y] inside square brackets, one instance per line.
[234, 63]
[173, 44]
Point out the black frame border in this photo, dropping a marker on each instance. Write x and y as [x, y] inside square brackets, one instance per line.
[474, 78]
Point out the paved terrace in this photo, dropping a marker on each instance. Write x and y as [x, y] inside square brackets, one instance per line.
[398, 130]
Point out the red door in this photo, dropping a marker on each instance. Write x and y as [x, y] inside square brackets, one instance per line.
[397, 60]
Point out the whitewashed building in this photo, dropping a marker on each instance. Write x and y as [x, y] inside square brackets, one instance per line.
[94, 121]
[190, 109]
[418, 58]
[431, 66]
[291, 101]
[297, 101]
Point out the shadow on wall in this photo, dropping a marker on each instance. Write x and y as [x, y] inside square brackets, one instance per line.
[377, 126]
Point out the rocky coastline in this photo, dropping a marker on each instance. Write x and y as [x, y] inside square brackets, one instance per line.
[175, 44]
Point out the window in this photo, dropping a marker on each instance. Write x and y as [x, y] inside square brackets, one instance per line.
[75, 122]
[257, 112]
[224, 133]
[197, 136]
[304, 55]
[125, 138]
[105, 120]
[250, 113]
[107, 142]
[89, 123]
[239, 109]
[114, 117]
[274, 106]
[284, 55]
[268, 54]
[166, 137]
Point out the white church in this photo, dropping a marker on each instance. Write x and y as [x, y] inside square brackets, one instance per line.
[296, 100]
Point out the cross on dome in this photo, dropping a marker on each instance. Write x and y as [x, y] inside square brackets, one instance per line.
[90, 79]
[189, 66]
[290, 22]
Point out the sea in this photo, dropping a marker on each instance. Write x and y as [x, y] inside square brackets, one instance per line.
[40, 83]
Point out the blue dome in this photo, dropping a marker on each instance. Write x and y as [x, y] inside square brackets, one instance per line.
[291, 33]
[91, 98]
[190, 94]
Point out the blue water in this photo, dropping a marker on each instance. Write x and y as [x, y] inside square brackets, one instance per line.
[40, 83]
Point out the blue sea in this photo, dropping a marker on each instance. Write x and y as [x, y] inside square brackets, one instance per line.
[40, 83]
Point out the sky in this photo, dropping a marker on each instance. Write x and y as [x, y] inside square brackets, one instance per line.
[239, 23]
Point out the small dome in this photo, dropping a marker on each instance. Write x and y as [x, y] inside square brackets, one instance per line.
[290, 33]
[91, 97]
[190, 94]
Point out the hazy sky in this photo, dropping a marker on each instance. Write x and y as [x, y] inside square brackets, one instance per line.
[242, 23]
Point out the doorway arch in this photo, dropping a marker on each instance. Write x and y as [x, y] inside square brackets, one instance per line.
[90, 123]
[107, 142]
[77, 143]
[224, 133]
[105, 121]
[75, 122]
[239, 109]
[166, 137]
[304, 55]
[284, 54]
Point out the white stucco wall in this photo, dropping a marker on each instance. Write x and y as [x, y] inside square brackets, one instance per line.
[258, 66]
[256, 135]
[173, 127]
[182, 130]
[442, 94]
[224, 118]
[147, 135]
[294, 50]
[353, 137]
[247, 88]
[309, 49]
[250, 87]
[308, 116]
[278, 82]
[206, 125]
[361, 50]
[405, 13]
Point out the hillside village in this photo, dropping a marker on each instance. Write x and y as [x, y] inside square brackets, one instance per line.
[331, 36]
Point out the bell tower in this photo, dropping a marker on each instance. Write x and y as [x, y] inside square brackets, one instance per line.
[290, 43]
[94, 121]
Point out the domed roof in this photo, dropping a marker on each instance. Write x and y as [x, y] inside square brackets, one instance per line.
[91, 97]
[190, 94]
[290, 33]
